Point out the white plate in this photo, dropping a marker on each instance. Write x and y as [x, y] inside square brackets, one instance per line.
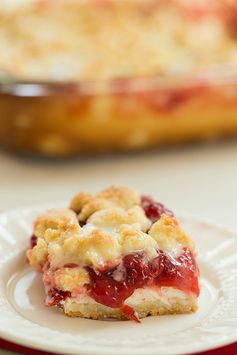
[25, 320]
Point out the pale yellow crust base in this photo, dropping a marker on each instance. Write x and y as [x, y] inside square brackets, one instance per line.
[100, 312]
[94, 313]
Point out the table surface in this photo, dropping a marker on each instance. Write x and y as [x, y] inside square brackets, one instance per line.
[199, 179]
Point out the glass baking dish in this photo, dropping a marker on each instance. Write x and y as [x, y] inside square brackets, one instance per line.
[69, 118]
[126, 112]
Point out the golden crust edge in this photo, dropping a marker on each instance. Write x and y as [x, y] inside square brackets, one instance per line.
[94, 312]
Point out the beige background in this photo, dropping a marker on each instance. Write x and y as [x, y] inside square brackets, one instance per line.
[201, 180]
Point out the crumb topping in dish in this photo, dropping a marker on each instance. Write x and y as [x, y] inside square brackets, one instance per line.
[108, 246]
[97, 36]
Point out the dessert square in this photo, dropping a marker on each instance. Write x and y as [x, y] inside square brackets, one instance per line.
[115, 255]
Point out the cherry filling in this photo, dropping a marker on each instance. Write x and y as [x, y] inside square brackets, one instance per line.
[57, 296]
[114, 286]
[129, 311]
[153, 209]
[108, 288]
[33, 241]
[181, 272]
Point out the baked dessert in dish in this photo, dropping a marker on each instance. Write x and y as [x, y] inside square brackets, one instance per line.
[161, 37]
[115, 255]
[142, 73]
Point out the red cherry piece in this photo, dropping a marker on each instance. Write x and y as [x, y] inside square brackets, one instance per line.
[129, 311]
[153, 209]
[181, 272]
[33, 241]
[105, 290]
[137, 269]
[56, 296]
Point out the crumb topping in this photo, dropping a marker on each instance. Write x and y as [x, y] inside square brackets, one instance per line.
[169, 235]
[114, 224]
[71, 279]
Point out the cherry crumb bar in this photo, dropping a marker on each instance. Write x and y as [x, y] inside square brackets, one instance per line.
[115, 255]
